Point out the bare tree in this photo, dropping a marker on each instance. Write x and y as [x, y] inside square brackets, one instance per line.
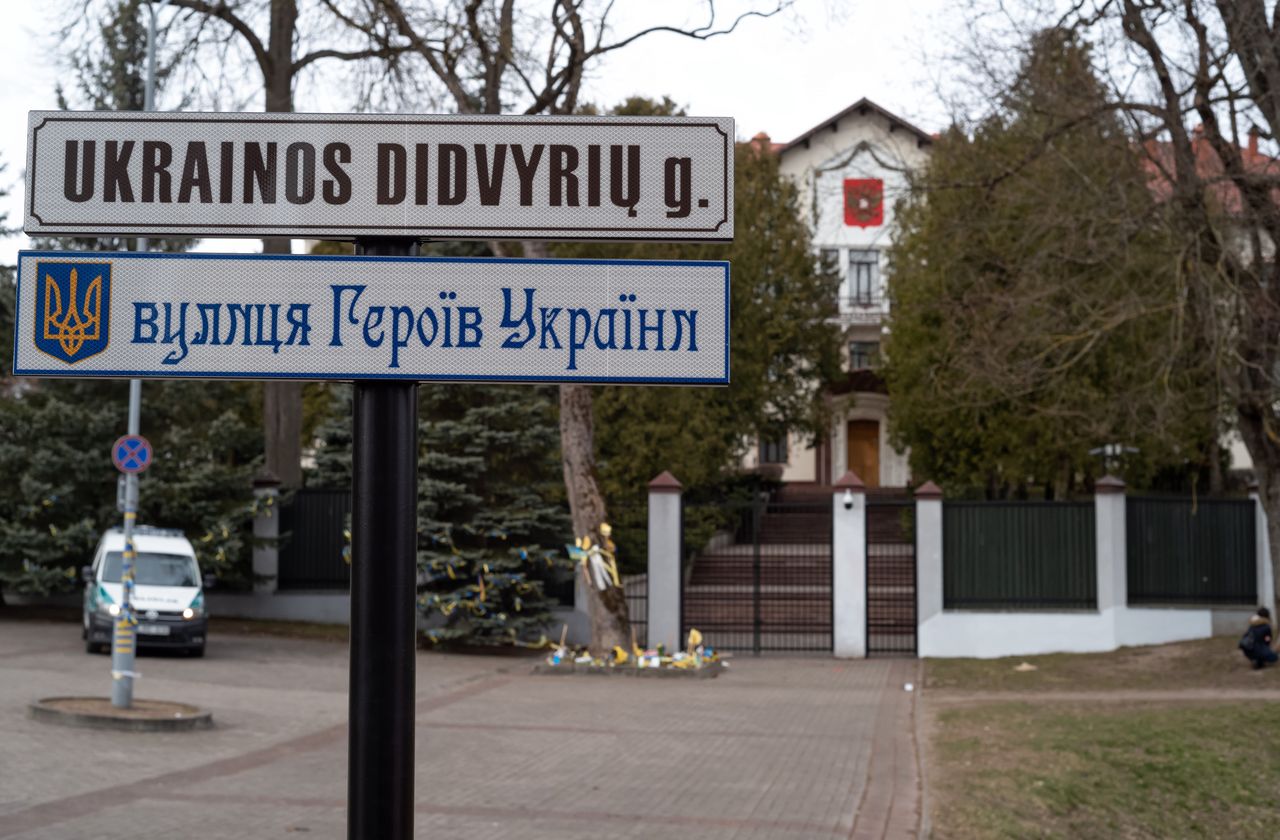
[229, 47]
[490, 57]
[1199, 83]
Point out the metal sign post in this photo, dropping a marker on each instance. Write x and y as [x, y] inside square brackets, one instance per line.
[131, 454]
[384, 578]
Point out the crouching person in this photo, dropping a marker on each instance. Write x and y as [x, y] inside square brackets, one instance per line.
[1256, 641]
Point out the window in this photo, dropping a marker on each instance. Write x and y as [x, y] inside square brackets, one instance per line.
[773, 450]
[864, 276]
[152, 569]
[863, 354]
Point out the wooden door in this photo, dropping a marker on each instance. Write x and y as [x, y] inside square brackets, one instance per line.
[863, 447]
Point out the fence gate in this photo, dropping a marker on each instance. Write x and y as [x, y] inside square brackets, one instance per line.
[312, 528]
[891, 576]
[758, 575]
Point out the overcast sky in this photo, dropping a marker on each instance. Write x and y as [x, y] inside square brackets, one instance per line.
[783, 75]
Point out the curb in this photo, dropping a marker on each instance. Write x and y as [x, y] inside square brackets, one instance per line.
[167, 717]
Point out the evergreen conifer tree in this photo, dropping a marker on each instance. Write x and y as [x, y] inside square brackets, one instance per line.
[491, 515]
[55, 434]
[1036, 299]
[492, 520]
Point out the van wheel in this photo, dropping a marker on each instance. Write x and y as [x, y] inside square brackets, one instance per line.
[92, 647]
[196, 652]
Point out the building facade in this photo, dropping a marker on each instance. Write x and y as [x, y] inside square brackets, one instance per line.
[850, 171]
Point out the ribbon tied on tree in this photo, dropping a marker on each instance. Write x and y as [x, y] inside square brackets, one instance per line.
[599, 566]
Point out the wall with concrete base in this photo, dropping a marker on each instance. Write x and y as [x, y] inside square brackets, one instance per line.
[318, 607]
[1114, 624]
[988, 635]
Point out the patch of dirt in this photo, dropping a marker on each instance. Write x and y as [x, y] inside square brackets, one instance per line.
[140, 709]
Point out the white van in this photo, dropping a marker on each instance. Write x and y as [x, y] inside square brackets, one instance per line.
[168, 595]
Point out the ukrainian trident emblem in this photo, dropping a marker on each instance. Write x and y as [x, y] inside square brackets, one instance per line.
[70, 320]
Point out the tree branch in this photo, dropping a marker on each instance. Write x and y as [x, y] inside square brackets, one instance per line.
[223, 13]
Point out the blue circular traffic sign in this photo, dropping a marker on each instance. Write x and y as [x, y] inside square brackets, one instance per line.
[131, 454]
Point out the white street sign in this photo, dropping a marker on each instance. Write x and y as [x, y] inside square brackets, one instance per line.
[357, 175]
[209, 316]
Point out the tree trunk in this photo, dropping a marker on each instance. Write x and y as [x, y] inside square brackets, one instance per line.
[281, 401]
[606, 609]
[1216, 483]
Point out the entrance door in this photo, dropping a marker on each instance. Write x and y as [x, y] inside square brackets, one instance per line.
[863, 447]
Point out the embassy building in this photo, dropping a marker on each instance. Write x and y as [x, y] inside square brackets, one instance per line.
[850, 170]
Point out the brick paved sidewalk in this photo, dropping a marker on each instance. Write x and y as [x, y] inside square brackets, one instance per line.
[777, 747]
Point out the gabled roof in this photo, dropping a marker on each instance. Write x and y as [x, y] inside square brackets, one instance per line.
[862, 107]
[1160, 166]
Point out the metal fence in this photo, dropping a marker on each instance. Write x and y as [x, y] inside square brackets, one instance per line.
[1019, 555]
[1186, 551]
[759, 576]
[312, 523]
[636, 589]
[891, 576]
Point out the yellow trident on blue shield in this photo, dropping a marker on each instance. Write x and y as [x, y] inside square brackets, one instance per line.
[70, 325]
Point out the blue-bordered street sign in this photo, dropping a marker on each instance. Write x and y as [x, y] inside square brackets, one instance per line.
[131, 454]
[214, 316]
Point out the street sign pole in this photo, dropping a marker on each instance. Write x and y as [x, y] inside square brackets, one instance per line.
[134, 457]
[384, 574]
[124, 645]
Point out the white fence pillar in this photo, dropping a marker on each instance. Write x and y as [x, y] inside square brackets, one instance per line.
[1109, 523]
[266, 533]
[1262, 555]
[849, 566]
[665, 580]
[928, 555]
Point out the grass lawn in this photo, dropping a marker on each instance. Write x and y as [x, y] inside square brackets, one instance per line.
[1106, 771]
[1206, 663]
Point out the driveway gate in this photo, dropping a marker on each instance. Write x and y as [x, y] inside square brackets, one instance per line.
[891, 576]
[758, 575]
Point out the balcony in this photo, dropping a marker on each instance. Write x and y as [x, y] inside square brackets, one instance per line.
[863, 308]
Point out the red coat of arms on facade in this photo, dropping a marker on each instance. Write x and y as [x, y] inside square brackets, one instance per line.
[863, 202]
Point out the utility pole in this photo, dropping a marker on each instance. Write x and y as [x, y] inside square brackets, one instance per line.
[124, 645]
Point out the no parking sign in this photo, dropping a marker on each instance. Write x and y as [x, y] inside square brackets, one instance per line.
[131, 454]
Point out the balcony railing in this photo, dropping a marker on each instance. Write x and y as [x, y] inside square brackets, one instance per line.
[863, 308]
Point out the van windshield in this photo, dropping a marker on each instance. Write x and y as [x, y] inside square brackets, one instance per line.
[153, 569]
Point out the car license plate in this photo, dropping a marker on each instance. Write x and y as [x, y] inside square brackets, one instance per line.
[153, 629]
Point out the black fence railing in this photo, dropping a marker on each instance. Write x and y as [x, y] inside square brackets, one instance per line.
[312, 526]
[758, 575]
[1019, 555]
[891, 576]
[1191, 551]
[636, 589]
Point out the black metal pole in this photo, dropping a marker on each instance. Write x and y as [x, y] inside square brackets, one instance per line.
[384, 573]
[757, 509]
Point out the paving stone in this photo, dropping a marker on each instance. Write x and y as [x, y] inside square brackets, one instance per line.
[776, 747]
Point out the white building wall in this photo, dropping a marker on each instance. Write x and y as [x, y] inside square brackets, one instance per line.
[862, 144]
